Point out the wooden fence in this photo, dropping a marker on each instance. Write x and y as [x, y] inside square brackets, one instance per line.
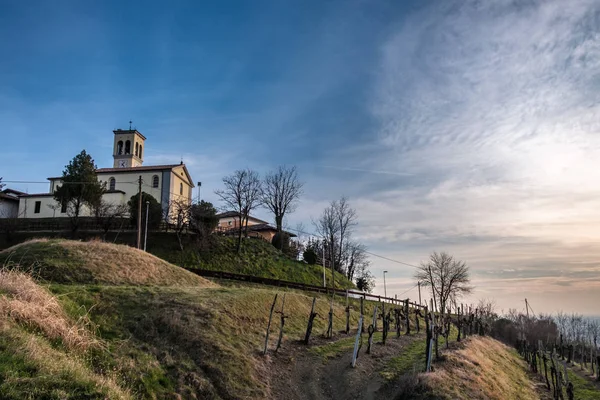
[296, 285]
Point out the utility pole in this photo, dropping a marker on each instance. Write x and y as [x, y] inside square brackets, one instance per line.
[324, 280]
[527, 308]
[139, 216]
[332, 262]
[146, 228]
[419, 284]
[384, 288]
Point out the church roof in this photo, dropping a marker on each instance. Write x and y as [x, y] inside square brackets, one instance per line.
[146, 168]
[229, 214]
[142, 168]
[52, 194]
[120, 131]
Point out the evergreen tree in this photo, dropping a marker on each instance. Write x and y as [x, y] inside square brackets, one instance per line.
[155, 213]
[79, 188]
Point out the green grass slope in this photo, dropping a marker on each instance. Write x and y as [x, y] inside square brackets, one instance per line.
[257, 258]
[73, 326]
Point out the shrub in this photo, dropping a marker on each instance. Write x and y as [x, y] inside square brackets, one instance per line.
[310, 256]
[281, 241]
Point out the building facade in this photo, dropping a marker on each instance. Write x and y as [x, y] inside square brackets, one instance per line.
[229, 223]
[168, 184]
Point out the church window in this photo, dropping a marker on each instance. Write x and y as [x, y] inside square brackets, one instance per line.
[120, 147]
[112, 184]
[38, 205]
[155, 181]
[181, 188]
[136, 149]
[127, 147]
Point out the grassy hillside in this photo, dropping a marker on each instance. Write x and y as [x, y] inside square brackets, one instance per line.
[156, 331]
[480, 368]
[257, 258]
[66, 261]
[104, 334]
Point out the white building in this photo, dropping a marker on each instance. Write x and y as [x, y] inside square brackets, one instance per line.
[166, 183]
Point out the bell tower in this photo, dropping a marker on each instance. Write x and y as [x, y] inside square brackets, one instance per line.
[128, 149]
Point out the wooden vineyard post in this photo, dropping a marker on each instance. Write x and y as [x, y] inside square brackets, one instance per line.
[283, 317]
[458, 323]
[430, 335]
[385, 327]
[436, 333]
[269, 325]
[329, 333]
[407, 314]
[593, 365]
[311, 318]
[370, 331]
[347, 313]
[559, 381]
[358, 340]
[417, 315]
[545, 360]
[375, 319]
[397, 321]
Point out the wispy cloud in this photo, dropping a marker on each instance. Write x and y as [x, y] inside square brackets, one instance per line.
[493, 107]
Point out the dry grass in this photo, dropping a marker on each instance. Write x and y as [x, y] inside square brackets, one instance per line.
[70, 261]
[58, 375]
[482, 369]
[27, 303]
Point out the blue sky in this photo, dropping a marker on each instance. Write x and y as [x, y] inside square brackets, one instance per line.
[464, 126]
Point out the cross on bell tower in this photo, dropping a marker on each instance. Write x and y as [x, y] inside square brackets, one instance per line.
[128, 149]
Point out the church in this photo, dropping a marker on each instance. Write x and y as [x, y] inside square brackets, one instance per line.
[166, 183]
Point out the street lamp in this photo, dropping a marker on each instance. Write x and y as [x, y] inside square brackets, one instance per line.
[384, 288]
[199, 185]
[146, 228]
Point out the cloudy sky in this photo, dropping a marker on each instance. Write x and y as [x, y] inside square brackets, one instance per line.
[470, 127]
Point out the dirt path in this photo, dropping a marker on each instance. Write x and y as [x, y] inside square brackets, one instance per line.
[299, 374]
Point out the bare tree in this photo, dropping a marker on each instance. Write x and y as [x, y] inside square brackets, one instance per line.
[346, 217]
[335, 225]
[179, 214]
[252, 195]
[328, 227]
[448, 278]
[357, 259]
[281, 191]
[106, 214]
[241, 194]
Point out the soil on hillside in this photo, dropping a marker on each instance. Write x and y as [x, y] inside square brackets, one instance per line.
[298, 374]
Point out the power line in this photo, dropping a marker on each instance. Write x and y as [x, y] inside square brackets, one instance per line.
[62, 183]
[408, 290]
[390, 259]
[368, 252]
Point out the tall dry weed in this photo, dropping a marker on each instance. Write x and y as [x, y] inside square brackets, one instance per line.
[26, 302]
